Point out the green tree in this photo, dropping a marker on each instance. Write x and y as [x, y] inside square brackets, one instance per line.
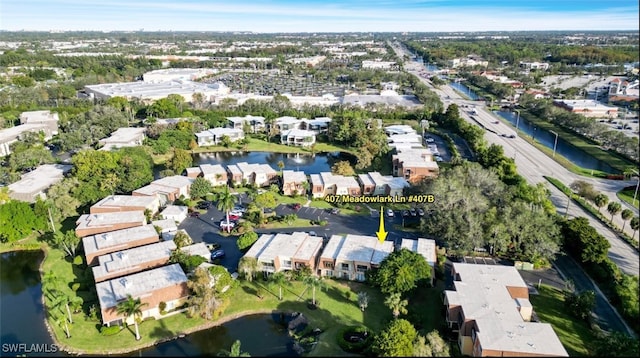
[247, 267]
[401, 271]
[580, 304]
[583, 241]
[279, 279]
[395, 340]
[396, 304]
[246, 240]
[601, 201]
[226, 201]
[17, 220]
[131, 308]
[635, 223]
[182, 239]
[66, 241]
[343, 168]
[265, 200]
[180, 161]
[626, 214]
[433, 345]
[314, 282]
[235, 351]
[135, 168]
[200, 188]
[614, 208]
[203, 300]
[617, 344]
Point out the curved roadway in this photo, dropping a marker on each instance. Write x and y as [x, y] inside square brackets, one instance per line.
[534, 164]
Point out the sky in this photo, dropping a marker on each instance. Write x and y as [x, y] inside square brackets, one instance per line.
[269, 16]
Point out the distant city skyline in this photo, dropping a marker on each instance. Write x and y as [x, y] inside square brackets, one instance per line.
[269, 16]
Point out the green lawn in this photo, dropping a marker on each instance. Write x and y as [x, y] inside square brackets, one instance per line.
[627, 196]
[257, 145]
[337, 307]
[296, 223]
[348, 210]
[576, 336]
[425, 307]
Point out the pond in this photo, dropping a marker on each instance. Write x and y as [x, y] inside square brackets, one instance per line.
[310, 164]
[563, 148]
[22, 321]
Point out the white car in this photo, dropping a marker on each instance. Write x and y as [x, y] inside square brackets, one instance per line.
[227, 225]
[236, 213]
[389, 213]
[439, 159]
[430, 140]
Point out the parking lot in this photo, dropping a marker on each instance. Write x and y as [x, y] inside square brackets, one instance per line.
[269, 84]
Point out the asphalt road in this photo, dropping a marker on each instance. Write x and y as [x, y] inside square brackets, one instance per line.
[533, 165]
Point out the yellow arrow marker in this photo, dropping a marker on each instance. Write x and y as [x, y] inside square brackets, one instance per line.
[381, 234]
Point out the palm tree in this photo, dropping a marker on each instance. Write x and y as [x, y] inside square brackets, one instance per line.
[248, 267]
[635, 224]
[313, 282]
[226, 201]
[601, 201]
[613, 208]
[131, 308]
[363, 300]
[235, 351]
[279, 279]
[626, 214]
[63, 301]
[397, 305]
[50, 283]
[61, 322]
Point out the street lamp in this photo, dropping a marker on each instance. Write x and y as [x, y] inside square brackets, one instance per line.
[517, 120]
[533, 136]
[555, 143]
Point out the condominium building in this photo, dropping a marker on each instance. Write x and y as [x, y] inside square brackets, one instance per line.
[286, 252]
[117, 240]
[350, 256]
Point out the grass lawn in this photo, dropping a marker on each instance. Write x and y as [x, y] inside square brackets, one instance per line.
[426, 307]
[337, 307]
[627, 195]
[29, 243]
[297, 223]
[257, 145]
[349, 210]
[576, 336]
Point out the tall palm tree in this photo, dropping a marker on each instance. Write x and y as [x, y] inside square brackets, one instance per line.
[279, 279]
[313, 282]
[49, 283]
[226, 201]
[613, 208]
[235, 351]
[635, 224]
[131, 308]
[601, 201]
[626, 214]
[248, 267]
[397, 305]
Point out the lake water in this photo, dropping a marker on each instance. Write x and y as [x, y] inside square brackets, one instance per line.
[563, 148]
[310, 164]
[464, 89]
[22, 321]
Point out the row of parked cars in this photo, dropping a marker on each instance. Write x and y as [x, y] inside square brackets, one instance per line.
[406, 213]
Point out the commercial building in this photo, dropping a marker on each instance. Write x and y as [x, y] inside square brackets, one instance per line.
[151, 91]
[166, 284]
[588, 108]
[286, 252]
[117, 240]
[491, 312]
[350, 256]
[177, 74]
[123, 137]
[35, 184]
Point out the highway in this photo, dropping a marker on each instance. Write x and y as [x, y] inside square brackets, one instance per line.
[534, 164]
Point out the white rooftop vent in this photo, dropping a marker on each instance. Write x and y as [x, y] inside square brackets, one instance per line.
[107, 236]
[125, 282]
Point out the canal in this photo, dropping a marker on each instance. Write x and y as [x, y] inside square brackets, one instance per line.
[23, 332]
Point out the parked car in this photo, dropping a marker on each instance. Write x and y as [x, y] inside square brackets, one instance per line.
[234, 217]
[194, 214]
[405, 213]
[430, 140]
[236, 213]
[296, 206]
[227, 225]
[241, 209]
[335, 211]
[204, 205]
[218, 254]
[420, 212]
[413, 212]
[312, 233]
[389, 213]
[439, 158]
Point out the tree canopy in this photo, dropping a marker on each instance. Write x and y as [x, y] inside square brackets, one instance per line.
[400, 272]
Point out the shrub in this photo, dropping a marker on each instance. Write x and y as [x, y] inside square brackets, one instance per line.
[246, 240]
[75, 287]
[110, 331]
[163, 307]
[78, 260]
[353, 347]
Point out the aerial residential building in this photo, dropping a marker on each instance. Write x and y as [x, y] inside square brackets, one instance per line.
[588, 108]
[374, 183]
[491, 312]
[120, 203]
[329, 184]
[214, 136]
[167, 189]
[199, 249]
[35, 184]
[298, 137]
[214, 173]
[534, 65]
[44, 122]
[350, 256]
[287, 123]
[426, 248]
[123, 137]
[117, 240]
[286, 252]
[399, 129]
[166, 284]
[125, 262]
[193, 172]
[253, 174]
[175, 212]
[92, 224]
[316, 125]
[166, 227]
[256, 123]
[293, 182]
[414, 164]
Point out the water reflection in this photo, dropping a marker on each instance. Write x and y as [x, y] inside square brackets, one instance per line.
[310, 164]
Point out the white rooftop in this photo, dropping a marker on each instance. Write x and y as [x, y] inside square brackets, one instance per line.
[405, 138]
[108, 219]
[358, 248]
[155, 90]
[300, 133]
[13, 132]
[246, 168]
[212, 169]
[123, 135]
[130, 259]
[290, 176]
[483, 296]
[197, 249]
[246, 119]
[397, 129]
[297, 245]
[174, 181]
[114, 239]
[329, 179]
[424, 247]
[174, 210]
[139, 284]
[40, 178]
[38, 116]
[125, 201]
[165, 225]
[585, 104]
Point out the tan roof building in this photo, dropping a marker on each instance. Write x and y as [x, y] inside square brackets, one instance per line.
[350, 256]
[91, 224]
[122, 263]
[36, 183]
[117, 240]
[120, 203]
[280, 252]
[293, 182]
